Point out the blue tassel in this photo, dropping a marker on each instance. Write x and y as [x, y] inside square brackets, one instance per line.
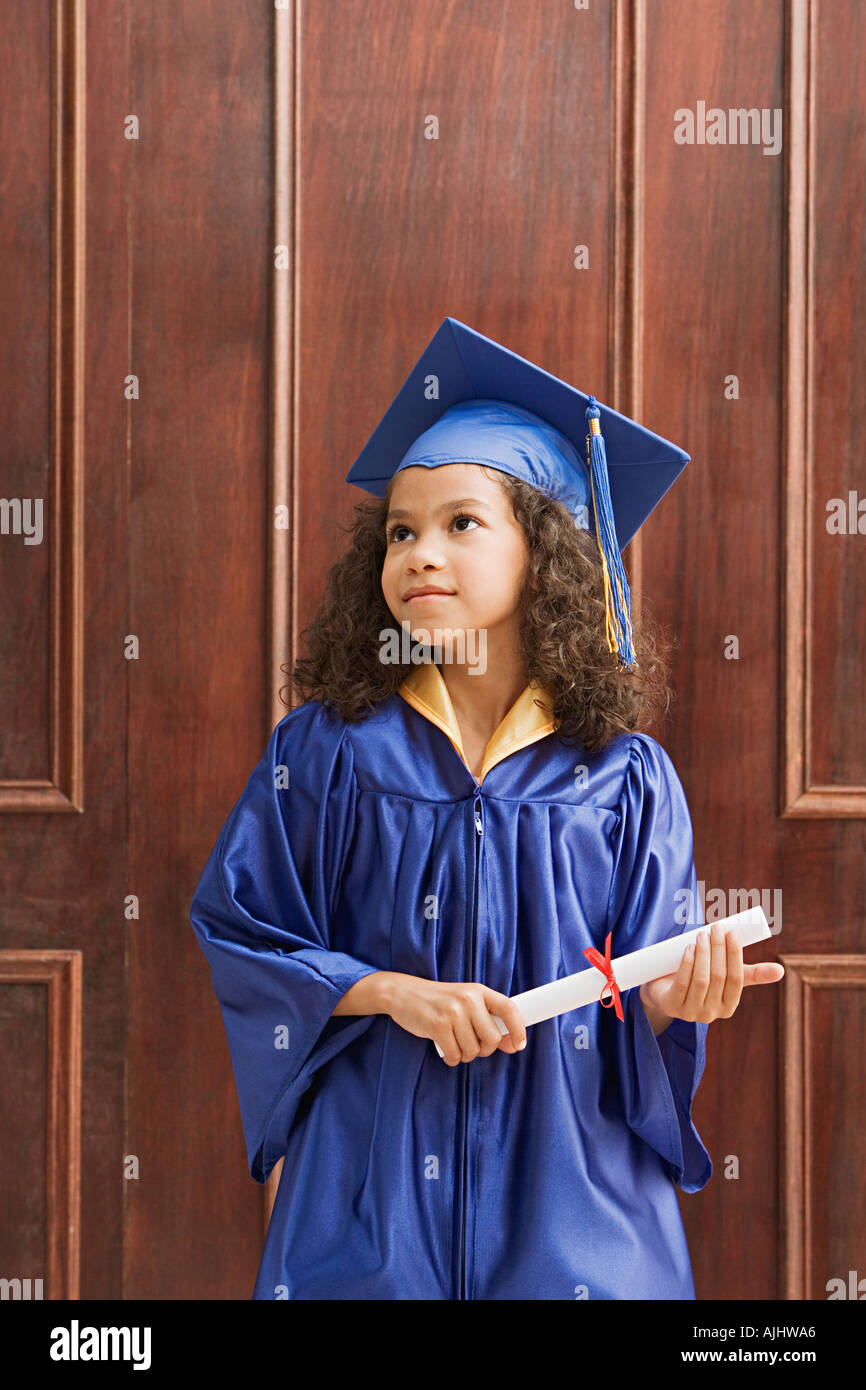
[617, 599]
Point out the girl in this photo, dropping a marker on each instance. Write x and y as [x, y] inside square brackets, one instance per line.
[423, 839]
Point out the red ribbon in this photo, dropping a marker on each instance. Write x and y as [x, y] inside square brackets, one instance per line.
[602, 963]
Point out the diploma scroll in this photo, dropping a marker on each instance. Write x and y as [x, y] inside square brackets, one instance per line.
[636, 968]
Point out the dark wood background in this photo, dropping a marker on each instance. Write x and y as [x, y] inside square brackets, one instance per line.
[257, 375]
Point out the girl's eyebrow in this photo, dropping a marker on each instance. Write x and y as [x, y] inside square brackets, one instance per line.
[446, 506]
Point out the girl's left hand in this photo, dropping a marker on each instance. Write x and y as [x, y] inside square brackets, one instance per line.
[710, 979]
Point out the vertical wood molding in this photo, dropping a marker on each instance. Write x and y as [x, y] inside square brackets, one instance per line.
[63, 789]
[798, 796]
[625, 302]
[804, 974]
[283, 544]
[60, 971]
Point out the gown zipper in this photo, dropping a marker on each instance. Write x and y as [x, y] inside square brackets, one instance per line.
[479, 831]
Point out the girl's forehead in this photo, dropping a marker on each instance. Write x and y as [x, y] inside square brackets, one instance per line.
[444, 480]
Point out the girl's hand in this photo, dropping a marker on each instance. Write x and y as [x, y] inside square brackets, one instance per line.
[455, 1015]
[710, 979]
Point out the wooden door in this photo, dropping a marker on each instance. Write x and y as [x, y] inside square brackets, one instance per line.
[227, 230]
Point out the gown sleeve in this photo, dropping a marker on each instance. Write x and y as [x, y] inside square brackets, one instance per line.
[653, 865]
[261, 913]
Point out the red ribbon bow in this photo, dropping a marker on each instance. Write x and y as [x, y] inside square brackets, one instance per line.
[602, 963]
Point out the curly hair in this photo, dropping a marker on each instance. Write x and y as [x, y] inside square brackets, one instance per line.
[562, 628]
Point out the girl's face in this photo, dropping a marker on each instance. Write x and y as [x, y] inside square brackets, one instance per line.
[451, 528]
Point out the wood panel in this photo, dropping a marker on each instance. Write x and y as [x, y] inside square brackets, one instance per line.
[63, 877]
[199, 551]
[822, 1044]
[42, 638]
[824, 750]
[41, 1130]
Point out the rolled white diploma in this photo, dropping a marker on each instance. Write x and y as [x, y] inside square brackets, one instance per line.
[636, 968]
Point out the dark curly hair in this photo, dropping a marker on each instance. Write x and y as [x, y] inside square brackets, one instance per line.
[562, 628]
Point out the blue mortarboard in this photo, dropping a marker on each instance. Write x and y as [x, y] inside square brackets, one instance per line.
[468, 399]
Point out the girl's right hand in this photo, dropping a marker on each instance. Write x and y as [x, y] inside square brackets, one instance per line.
[456, 1015]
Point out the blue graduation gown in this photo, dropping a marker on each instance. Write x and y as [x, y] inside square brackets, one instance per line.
[546, 1174]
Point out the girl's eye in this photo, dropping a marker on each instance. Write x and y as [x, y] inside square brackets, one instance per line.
[393, 532]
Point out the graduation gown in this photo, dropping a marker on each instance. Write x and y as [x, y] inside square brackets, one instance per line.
[546, 1174]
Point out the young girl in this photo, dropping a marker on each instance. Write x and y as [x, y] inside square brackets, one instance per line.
[424, 839]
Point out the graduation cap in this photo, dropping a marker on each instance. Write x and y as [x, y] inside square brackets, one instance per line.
[468, 399]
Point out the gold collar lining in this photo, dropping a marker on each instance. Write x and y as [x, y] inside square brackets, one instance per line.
[425, 690]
